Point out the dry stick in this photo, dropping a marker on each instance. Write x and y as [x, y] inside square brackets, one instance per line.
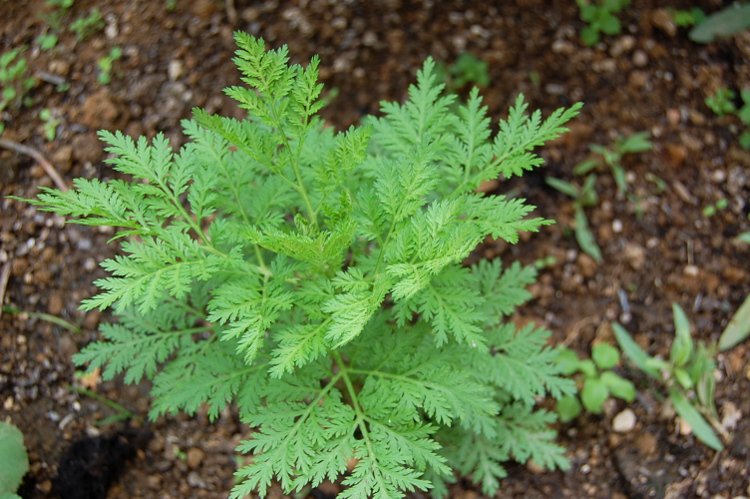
[4, 276]
[37, 156]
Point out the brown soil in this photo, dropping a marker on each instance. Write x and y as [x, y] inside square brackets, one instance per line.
[658, 246]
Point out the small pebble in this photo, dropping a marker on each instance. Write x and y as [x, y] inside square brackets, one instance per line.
[691, 270]
[640, 59]
[624, 421]
[195, 457]
[175, 69]
[55, 304]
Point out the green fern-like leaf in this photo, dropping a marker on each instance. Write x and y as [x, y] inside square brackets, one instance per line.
[314, 279]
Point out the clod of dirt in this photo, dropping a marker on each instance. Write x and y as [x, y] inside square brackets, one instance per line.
[90, 465]
[102, 110]
[87, 148]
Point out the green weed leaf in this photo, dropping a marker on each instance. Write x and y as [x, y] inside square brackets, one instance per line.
[605, 355]
[14, 458]
[690, 414]
[738, 328]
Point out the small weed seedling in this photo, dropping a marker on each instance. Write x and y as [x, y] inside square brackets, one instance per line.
[14, 458]
[50, 124]
[722, 103]
[15, 80]
[47, 41]
[596, 378]
[84, 27]
[713, 208]
[57, 13]
[600, 18]
[611, 157]
[105, 65]
[314, 278]
[61, 4]
[467, 69]
[688, 376]
[583, 197]
[685, 18]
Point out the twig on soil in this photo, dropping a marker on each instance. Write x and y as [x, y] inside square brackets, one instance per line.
[4, 277]
[50, 170]
[51, 78]
[575, 330]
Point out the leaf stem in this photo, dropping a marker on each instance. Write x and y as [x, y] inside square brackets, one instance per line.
[360, 417]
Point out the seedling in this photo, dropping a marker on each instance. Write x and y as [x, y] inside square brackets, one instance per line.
[583, 197]
[47, 41]
[711, 209]
[50, 124]
[596, 378]
[722, 103]
[600, 18]
[315, 280]
[611, 157]
[14, 79]
[84, 27]
[688, 17]
[55, 17]
[687, 377]
[105, 65]
[467, 69]
[14, 458]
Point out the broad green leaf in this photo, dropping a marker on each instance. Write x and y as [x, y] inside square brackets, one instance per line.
[610, 24]
[618, 386]
[589, 36]
[594, 394]
[568, 361]
[738, 328]
[693, 417]
[568, 408]
[15, 461]
[605, 355]
[587, 367]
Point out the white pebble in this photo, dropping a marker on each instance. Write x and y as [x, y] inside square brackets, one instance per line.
[624, 421]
